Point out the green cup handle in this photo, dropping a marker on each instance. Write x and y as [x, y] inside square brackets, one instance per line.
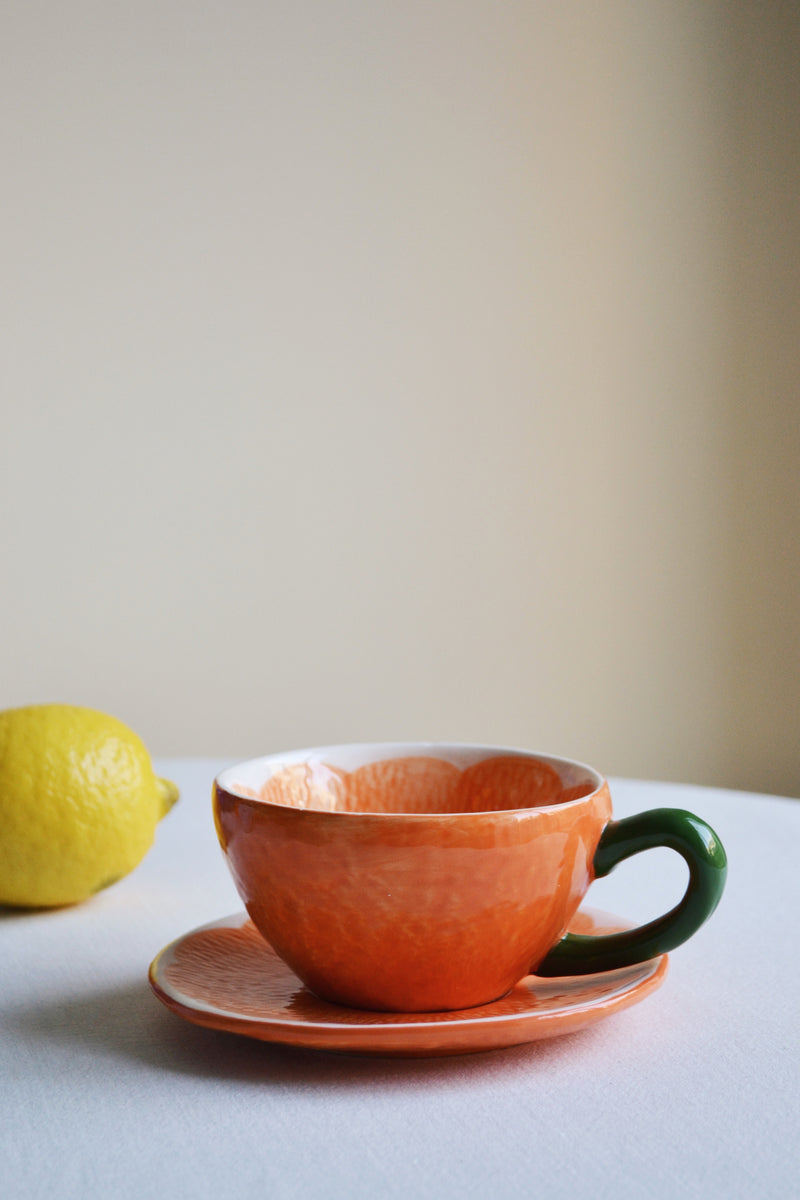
[577, 954]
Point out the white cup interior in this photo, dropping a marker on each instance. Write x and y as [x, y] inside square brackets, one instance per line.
[247, 777]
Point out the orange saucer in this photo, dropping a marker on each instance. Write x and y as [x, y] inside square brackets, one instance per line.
[225, 976]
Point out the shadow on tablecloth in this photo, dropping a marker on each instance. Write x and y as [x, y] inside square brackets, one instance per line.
[129, 1022]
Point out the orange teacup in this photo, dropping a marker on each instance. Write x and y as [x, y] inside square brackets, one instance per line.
[427, 877]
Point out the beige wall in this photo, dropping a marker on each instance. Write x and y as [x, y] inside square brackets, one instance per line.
[420, 370]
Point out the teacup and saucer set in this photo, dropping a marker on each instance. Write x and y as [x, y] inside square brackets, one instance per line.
[424, 899]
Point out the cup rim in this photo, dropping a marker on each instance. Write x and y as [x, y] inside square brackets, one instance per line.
[471, 752]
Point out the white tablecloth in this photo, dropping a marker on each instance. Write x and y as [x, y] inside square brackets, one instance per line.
[692, 1093]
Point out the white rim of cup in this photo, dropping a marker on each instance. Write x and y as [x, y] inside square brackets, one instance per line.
[461, 754]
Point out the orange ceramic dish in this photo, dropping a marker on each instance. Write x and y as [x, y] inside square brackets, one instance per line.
[422, 879]
[226, 977]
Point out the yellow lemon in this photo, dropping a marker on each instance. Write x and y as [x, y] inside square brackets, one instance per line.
[79, 803]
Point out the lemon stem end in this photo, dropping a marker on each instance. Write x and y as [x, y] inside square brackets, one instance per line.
[169, 795]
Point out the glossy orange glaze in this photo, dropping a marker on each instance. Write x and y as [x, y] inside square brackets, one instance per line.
[227, 977]
[409, 884]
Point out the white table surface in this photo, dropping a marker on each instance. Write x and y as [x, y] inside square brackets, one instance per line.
[692, 1093]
